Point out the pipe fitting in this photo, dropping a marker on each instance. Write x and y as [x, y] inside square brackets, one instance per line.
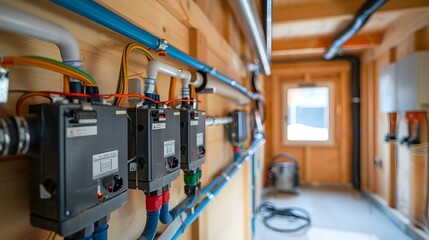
[14, 136]
[153, 203]
[163, 44]
[149, 85]
[197, 80]
[165, 196]
[156, 66]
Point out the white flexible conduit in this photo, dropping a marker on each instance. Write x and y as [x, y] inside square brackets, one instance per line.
[22, 23]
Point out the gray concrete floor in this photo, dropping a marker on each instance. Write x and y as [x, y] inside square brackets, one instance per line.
[338, 213]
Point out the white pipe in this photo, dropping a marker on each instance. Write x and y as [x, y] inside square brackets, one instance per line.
[212, 121]
[19, 22]
[224, 90]
[155, 66]
[197, 79]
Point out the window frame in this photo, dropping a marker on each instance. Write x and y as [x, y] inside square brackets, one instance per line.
[331, 115]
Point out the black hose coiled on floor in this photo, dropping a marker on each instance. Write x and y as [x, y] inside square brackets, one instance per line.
[269, 211]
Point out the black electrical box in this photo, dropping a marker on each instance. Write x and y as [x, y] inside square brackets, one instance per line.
[239, 129]
[154, 144]
[193, 139]
[78, 168]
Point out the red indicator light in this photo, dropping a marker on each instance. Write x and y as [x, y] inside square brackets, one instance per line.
[99, 194]
[110, 188]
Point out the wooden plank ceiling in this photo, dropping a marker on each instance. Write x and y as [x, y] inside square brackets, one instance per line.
[305, 28]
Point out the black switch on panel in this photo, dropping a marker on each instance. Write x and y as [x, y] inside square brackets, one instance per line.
[117, 183]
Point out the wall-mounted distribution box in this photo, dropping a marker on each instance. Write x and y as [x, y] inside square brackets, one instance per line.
[154, 142]
[78, 171]
[403, 85]
[413, 82]
[388, 89]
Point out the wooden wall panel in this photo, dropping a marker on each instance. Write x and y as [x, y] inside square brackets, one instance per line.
[101, 51]
[406, 35]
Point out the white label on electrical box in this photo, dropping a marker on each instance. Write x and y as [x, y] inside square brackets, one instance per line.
[133, 167]
[156, 126]
[169, 148]
[81, 131]
[200, 139]
[44, 194]
[104, 164]
[194, 123]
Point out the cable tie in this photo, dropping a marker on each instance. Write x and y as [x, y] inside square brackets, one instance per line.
[356, 100]
[227, 178]
[210, 195]
[182, 220]
[212, 71]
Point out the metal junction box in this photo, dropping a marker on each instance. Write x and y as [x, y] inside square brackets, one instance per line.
[239, 128]
[77, 169]
[154, 143]
[193, 139]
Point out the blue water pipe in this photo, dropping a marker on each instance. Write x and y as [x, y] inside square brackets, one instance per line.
[103, 16]
[166, 216]
[151, 225]
[100, 232]
[253, 190]
[213, 189]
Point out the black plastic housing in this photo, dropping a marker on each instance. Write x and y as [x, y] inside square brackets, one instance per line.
[81, 151]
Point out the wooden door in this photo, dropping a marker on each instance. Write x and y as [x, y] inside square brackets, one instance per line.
[320, 160]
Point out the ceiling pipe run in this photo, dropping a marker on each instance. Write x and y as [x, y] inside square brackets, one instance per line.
[250, 22]
[267, 15]
[361, 17]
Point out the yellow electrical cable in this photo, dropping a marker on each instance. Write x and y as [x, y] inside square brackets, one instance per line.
[193, 92]
[12, 61]
[66, 84]
[123, 74]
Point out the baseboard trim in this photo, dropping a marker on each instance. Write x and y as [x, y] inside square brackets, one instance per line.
[397, 218]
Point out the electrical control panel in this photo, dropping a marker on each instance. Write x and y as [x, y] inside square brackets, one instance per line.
[78, 168]
[239, 128]
[154, 144]
[193, 139]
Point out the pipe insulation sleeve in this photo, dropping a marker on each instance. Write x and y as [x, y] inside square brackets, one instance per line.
[22, 23]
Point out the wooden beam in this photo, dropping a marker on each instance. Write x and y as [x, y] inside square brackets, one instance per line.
[319, 44]
[327, 9]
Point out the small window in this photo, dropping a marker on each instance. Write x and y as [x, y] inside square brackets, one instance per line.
[307, 114]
